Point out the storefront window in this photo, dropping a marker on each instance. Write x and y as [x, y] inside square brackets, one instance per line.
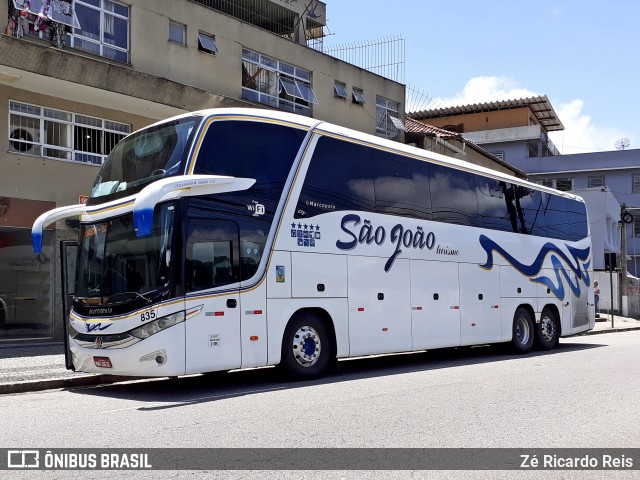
[25, 285]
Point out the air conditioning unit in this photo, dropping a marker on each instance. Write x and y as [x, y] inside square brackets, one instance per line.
[21, 135]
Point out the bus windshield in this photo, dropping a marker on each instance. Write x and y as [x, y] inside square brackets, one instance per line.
[145, 156]
[115, 266]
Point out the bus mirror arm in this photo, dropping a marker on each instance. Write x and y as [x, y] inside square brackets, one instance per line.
[47, 218]
[177, 187]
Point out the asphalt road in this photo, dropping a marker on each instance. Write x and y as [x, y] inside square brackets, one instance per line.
[584, 394]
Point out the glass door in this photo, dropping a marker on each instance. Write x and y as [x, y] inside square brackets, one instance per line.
[68, 256]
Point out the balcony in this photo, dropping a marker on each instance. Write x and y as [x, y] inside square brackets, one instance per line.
[514, 134]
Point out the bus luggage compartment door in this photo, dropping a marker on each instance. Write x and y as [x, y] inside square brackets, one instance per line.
[379, 312]
[435, 304]
[479, 305]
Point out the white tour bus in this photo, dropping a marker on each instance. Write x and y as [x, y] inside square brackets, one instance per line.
[236, 238]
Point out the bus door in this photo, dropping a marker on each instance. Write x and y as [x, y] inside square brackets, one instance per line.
[69, 256]
[212, 329]
[580, 308]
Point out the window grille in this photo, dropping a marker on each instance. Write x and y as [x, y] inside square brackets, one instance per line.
[564, 184]
[387, 122]
[595, 181]
[277, 84]
[41, 131]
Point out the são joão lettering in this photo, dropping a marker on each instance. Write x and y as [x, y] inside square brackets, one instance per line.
[368, 234]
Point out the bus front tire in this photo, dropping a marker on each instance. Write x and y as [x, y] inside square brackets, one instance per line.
[547, 331]
[306, 347]
[522, 339]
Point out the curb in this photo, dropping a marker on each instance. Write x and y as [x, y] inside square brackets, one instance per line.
[612, 330]
[57, 383]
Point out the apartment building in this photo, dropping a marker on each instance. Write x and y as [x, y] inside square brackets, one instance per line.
[76, 76]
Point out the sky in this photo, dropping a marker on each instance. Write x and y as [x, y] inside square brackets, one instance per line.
[584, 55]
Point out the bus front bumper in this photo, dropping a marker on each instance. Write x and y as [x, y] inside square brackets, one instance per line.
[160, 355]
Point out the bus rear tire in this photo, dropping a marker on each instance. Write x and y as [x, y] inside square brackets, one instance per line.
[547, 331]
[522, 338]
[306, 347]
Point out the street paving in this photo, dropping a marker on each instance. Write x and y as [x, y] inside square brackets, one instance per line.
[41, 366]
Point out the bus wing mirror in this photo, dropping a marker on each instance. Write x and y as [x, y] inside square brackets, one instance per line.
[177, 187]
[47, 218]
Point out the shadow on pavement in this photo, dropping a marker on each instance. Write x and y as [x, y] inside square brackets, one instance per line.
[169, 393]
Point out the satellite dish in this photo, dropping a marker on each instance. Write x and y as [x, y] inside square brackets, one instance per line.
[622, 143]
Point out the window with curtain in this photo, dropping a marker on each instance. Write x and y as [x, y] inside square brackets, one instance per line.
[104, 29]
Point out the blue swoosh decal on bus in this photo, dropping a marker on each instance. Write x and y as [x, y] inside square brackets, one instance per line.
[561, 263]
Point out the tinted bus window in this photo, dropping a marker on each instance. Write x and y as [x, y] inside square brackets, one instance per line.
[401, 186]
[339, 178]
[532, 216]
[453, 196]
[555, 216]
[211, 254]
[496, 205]
[577, 220]
[262, 151]
[253, 229]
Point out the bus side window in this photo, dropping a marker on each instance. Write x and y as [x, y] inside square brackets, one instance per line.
[530, 211]
[401, 186]
[494, 203]
[453, 196]
[212, 257]
[577, 220]
[339, 178]
[262, 151]
[555, 216]
[202, 266]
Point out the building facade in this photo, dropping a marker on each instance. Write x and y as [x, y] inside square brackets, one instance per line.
[512, 130]
[77, 76]
[454, 145]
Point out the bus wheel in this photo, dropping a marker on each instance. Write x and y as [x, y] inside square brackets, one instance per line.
[305, 347]
[547, 331]
[522, 338]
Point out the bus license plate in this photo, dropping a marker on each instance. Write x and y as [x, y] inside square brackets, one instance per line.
[102, 362]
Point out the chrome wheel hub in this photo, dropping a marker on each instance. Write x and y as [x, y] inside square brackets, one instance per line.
[306, 346]
[523, 331]
[548, 328]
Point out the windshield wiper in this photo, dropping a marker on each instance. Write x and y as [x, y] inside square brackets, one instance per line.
[114, 298]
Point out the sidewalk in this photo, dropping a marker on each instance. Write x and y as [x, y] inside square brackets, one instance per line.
[620, 324]
[41, 367]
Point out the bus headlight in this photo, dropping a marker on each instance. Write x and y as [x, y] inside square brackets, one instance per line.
[158, 325]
